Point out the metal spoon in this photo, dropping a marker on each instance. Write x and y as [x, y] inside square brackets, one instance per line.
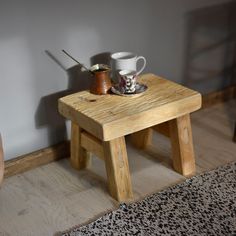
[77, 61]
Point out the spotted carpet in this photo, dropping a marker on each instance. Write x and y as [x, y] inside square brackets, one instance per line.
[202, 205]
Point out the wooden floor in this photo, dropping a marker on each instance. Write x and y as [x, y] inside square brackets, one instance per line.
[55, 197]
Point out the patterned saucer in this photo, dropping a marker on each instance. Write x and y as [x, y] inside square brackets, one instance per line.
[139, 89]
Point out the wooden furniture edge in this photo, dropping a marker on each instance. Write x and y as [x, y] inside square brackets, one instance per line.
[37, 158]
[192, 103]
[62, 150]
[92, 144]
[89, 124]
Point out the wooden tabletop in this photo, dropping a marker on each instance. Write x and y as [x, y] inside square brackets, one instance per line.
[111, 116]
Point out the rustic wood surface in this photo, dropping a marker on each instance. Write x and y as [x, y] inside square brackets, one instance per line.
[180, 133]
[79, 157]
[111, 116]
[117, 168]
[142, 138]
[182, 145]
[92, 144]
[55, 197]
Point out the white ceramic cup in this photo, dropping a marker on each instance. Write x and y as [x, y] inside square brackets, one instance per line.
[127, 81]
[125, 61]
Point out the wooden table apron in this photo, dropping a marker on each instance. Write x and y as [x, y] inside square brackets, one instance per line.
[100, 122]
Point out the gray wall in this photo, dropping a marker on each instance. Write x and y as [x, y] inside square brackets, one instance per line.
[31, 80]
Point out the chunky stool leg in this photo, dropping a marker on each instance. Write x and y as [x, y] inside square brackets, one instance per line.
[182, 145]
[79, 158]
[117, 168]
[142, 139]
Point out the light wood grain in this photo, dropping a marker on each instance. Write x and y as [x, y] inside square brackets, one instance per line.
[1, 161]
[80, 157]
[56, 197]
[142, 139]
[111, 116]
[182, 145]
[92, 144]
[117, 168]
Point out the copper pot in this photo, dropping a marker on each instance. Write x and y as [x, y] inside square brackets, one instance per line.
[101, 82]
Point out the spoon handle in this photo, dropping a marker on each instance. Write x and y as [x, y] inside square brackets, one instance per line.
[76, 61]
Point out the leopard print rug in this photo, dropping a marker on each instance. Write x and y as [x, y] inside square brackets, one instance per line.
[202, 205]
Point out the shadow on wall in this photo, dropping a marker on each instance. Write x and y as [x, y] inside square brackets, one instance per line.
[47, 111]
[210, 60]
[101, 58]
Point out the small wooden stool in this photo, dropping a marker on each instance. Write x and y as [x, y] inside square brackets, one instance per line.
[100, 123]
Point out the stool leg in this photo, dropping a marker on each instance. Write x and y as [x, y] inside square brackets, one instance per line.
[182, 145]
[117, 169]
[142, 139]
[79, 158]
